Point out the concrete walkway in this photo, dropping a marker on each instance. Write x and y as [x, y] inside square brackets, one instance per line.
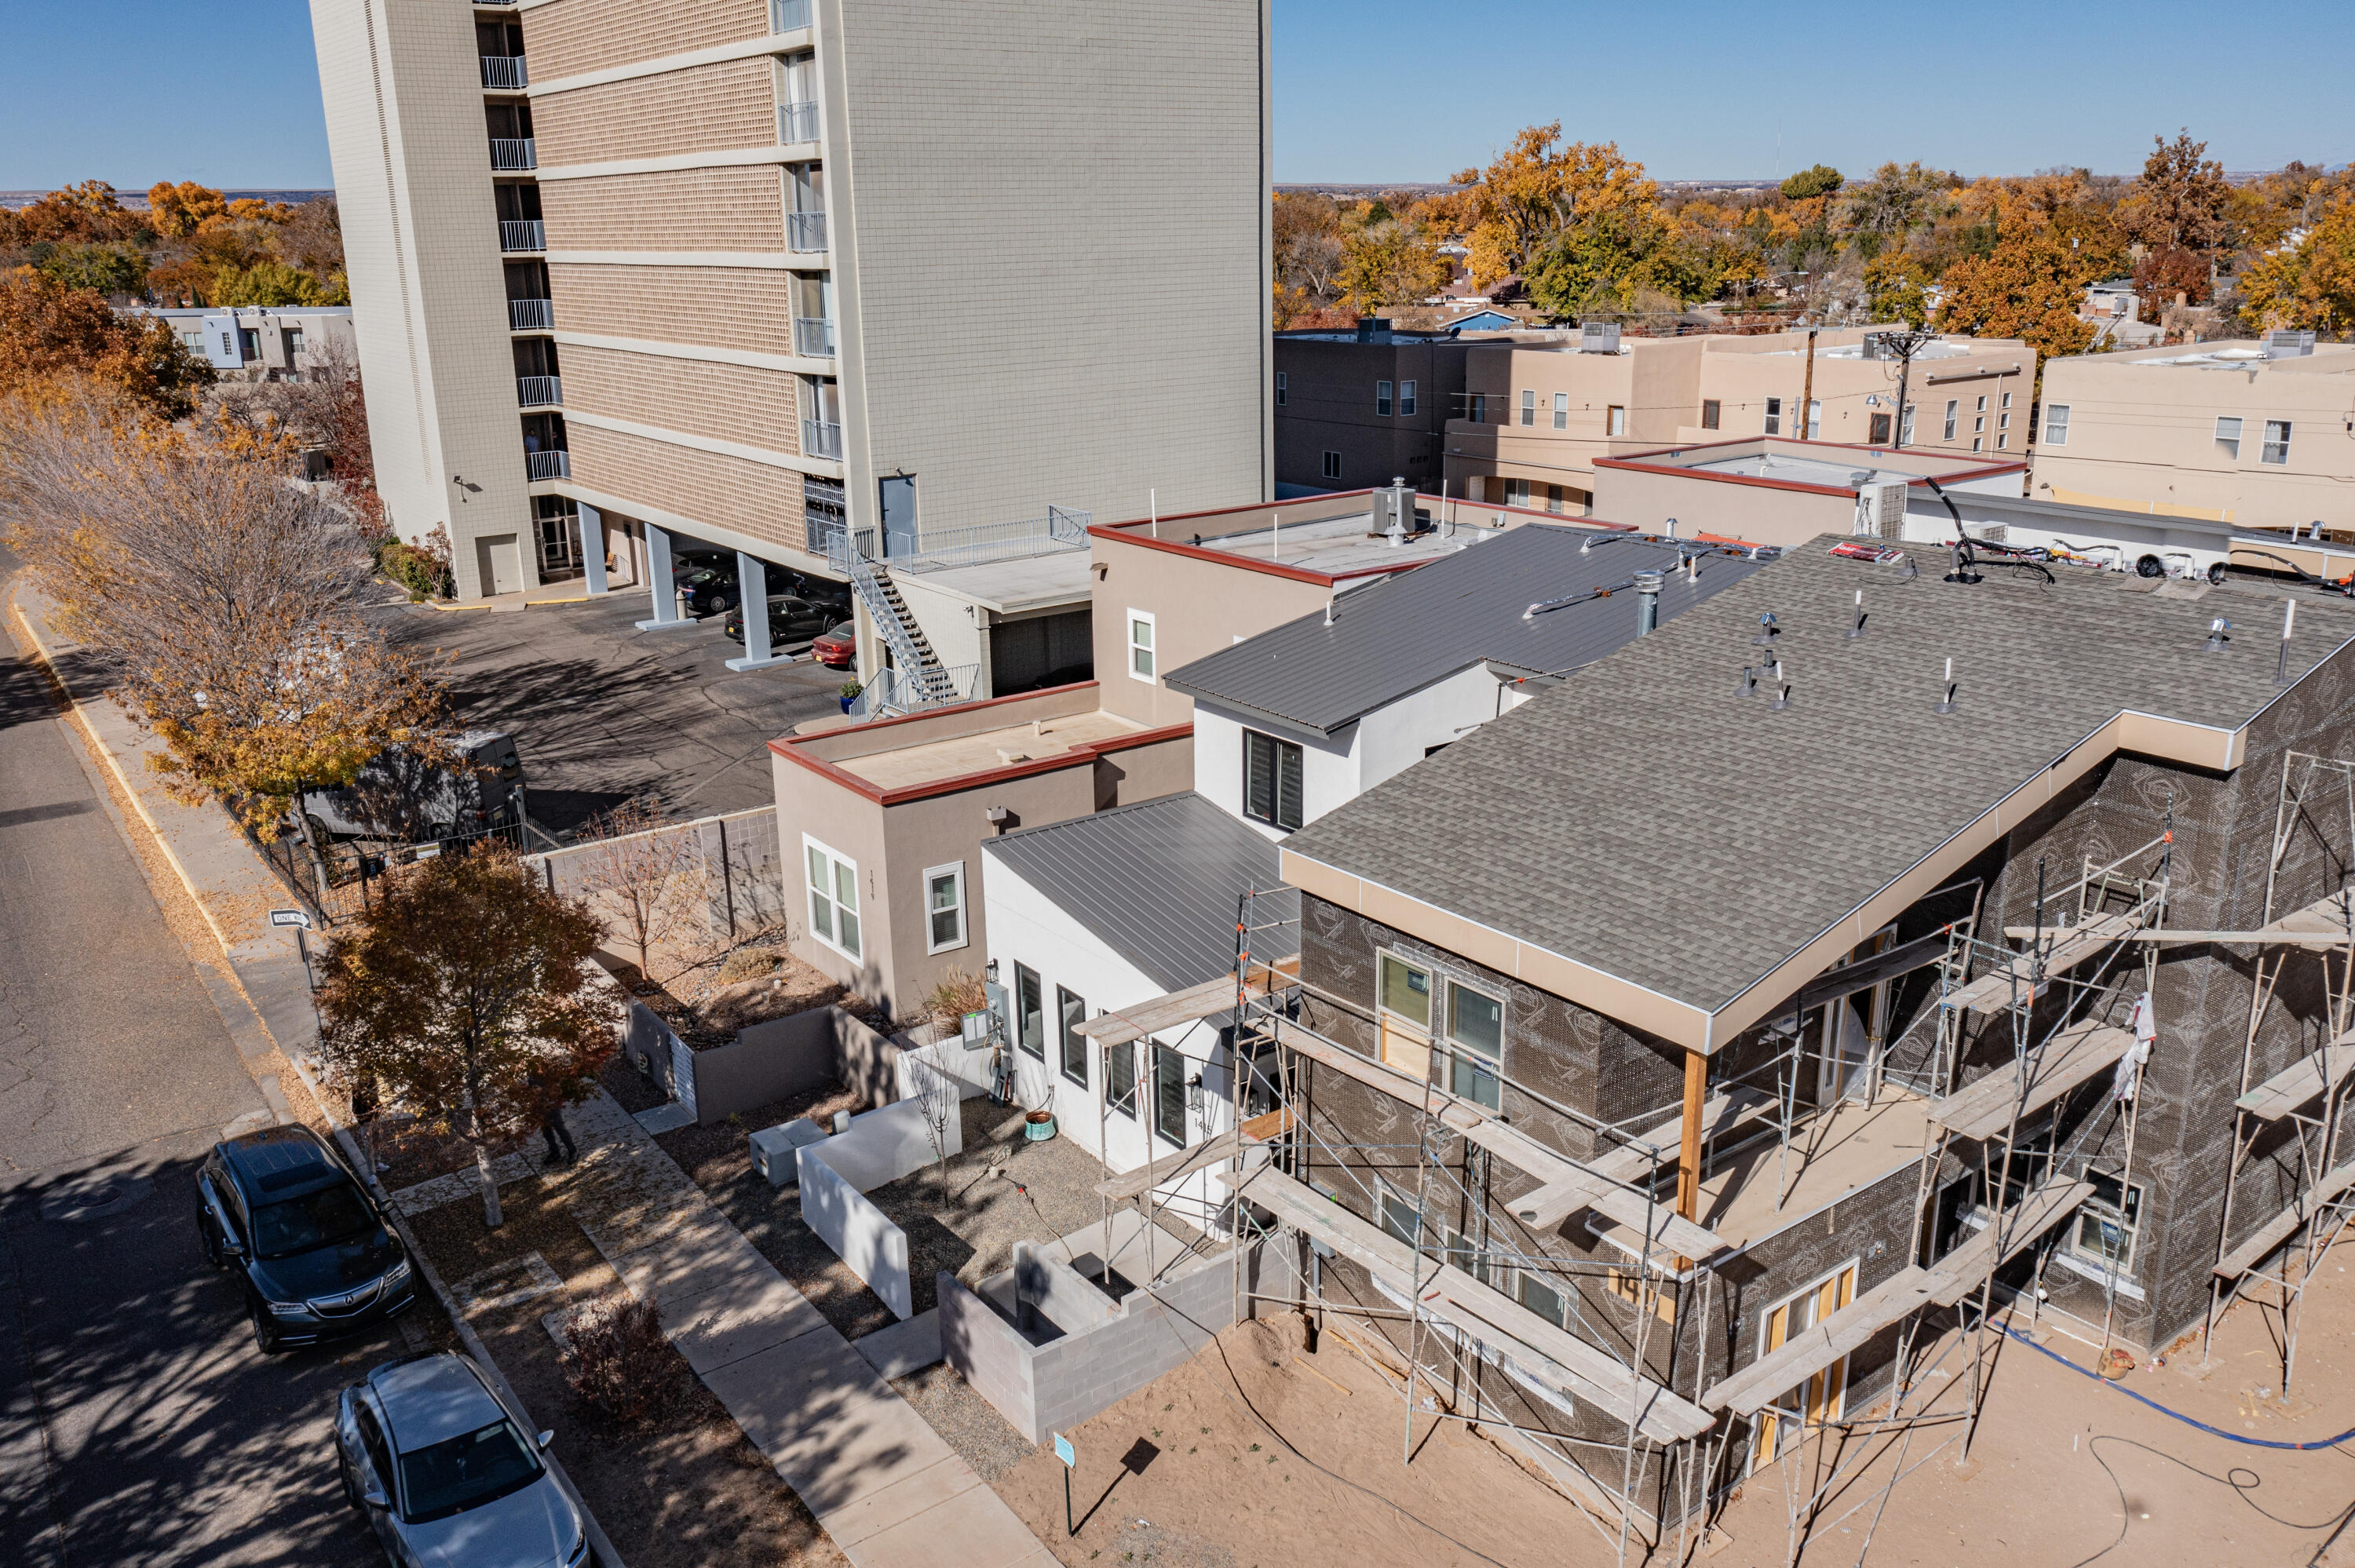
[889, 1490]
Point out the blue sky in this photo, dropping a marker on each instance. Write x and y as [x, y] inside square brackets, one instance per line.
[225, 91]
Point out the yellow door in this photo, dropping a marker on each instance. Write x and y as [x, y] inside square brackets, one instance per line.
[1822, 1394]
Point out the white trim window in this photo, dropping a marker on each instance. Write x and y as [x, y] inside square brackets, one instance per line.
[1905, 424]
[1381, 399]
[1272, 769]
[1283, 389]
[1140, 645]
[1475, 1039]
[1561, 410]
[1815, 420]
[944, 907]
[2276, 448]
[1406, 399]
[2107, 1226]
[1773, 416]
[1614, 421]
[2228, 437]
[1954, 410]
[2056, 424]
[832, 898]
[1529, 405]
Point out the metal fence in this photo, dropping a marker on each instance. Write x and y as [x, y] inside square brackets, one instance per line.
[548, 465]
[940, 548]
[505, 73]
[805, 231]
[531, 315]
[894, 691]
[338, 880]
[814, 337]
[796, 123]
[514, 153]
[537, 390]
[522, 234]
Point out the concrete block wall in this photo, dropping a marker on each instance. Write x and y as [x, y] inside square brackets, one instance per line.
[862, 1234]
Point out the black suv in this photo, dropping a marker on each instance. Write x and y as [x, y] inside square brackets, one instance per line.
[318, 1258]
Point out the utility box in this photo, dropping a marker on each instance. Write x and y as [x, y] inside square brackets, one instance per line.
[1394, 510]
[774, 1149]
[1598, 337]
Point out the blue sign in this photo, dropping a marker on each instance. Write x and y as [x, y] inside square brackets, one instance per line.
[1064, 1451]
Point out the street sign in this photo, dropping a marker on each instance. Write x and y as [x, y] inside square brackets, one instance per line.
[1064, 1451]
[298, 918]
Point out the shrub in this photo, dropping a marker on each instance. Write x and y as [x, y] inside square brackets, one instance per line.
[414, 569]
[747, 963]
[960, 991]
[621, 1364]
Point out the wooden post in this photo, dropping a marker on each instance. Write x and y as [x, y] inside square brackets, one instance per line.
[1688, 1149]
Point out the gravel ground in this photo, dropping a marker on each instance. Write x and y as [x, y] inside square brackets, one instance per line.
[965, 1421]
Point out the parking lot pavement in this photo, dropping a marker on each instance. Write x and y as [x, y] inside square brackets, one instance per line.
[603, 711]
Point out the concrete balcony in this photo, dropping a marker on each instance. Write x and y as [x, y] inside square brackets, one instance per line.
[548, 465]
[514, 153]
[540, 391]
[814, 337]
[821, 439]
[505, 73]
[805, 231]
[531, 315]
[522, 234]
[796, 123]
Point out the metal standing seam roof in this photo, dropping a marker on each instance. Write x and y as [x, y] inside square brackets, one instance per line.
[1157, 882]
[1647, 821]
[1400, 634]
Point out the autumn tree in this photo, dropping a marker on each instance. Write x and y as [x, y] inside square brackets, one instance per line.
[1605, 262]
[1894, 202]
[2309, 285]
[2160, 275]
[269, 282]
[1896, 290]
[1307, 239]
[49, 329]
[112, 269]
[179, 210]
[650, 870]
[1537, 188]
[2028, 288]
[2180, 200]
[463, 995]
[85, 213]
[1387, 260]
[1819, 181]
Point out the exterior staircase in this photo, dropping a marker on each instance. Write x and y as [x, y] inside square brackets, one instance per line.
[922, 680]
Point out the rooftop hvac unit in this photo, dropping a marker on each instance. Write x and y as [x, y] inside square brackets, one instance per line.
[1598, 337]
[1876, 346]
[1394, 511]
[1880, 509]
[2286, 344]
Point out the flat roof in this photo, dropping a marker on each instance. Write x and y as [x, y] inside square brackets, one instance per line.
[1029, 582]
[1158, 882]
[988, 751]
[1645, 821]
[1802, 470]
[1398, 635]
[2242, 354]
[1335, 546]
[1791, 462]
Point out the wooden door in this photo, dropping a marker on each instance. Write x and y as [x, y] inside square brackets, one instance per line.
[1820, 1398]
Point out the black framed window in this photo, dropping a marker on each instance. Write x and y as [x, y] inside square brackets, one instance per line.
[1169, 1094]
[1271, 780]
[1030, 1007]
[1120, 1078]
[1072, 1012]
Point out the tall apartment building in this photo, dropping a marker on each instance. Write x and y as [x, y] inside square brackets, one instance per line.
[816, 269]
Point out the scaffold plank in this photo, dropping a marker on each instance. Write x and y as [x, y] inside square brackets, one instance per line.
[2065, 947]
[2322, 924]
[1958, 1273]
[1720, 1114]
[1984, 1107]
[2301, 1081]
[1177, 1166]
[1757, 1385]
[1189, 1006]
[2262, 1242]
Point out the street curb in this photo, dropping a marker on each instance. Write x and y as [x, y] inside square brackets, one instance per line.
[599, 1546]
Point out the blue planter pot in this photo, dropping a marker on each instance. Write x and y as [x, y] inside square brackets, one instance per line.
[846, 702]
[1038, 1131]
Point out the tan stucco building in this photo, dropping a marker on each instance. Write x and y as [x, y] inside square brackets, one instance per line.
[1537, 415]
[2243, 432]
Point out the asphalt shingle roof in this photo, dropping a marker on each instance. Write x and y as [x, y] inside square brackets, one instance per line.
[1400, 634]
[1645, 820]
[1158, 882]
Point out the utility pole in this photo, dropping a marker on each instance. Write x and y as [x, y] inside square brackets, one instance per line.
[1906, 344]
[1807, 394]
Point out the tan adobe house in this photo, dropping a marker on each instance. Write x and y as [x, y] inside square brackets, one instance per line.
[1763, 490]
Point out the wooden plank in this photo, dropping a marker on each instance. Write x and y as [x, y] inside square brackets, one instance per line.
[2301, 1081]
[2270, 1236]
[1958, 1273]
[2065, 947]
[1173, 1167]
[1721, 1114]
[1983, 1108]
[1189, 1006]
[1758, 1385]
[2269, 936]
[1272, 1125]
[1584, 1369]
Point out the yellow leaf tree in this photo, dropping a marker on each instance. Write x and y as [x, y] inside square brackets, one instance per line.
[2311, 285]
[1538, 187]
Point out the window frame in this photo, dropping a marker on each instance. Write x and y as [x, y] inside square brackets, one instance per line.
[1406, 399]
[1529, 405]
[1954, 417]
[2272, 453]
[1161, 1095]
[1561, 410]
[955, 871]
[1773, 416]
[1119, 1061]
[1614, 420]
[1071, 1011]
[1330, 466]
[1712, 409]
[1879, 426]
[1150, 648]
[1480, 1058]
[1388, 1192]
[1383, 390]
[2231, 445]
[1524, 1281]
[2056, 424]
[2125, 1212]
[1283, 389]
[1029, 1044]
[1813, 419]
[1276, 746]
[830, 934]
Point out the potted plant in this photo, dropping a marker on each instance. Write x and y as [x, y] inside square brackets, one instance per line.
[849, 693]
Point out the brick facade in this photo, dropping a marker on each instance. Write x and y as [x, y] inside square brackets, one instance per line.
[698, 397]
[676, 209]
[708, 307]
[731, 492]
[566, 38]
[731, 104]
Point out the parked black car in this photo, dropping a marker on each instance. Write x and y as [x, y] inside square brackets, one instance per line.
[792, 619]
[407, 799]
[280, 1208]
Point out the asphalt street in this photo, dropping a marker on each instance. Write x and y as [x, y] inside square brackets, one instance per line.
[137, 1422]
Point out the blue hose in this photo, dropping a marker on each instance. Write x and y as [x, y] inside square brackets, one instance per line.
[2188, 1421]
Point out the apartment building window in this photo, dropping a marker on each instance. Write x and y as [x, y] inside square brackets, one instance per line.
[1381, 399]
[1169, 1095]
[788, 16]
[1615, 421]
[832, 898]
[1140, 645]
[1773, 416]
[2228, 437]
[1528, 407]
[2276, 448]
[1517, 492]
[1476, 408]
[1709, 407]
[1271, 780]
[1978, 443]
[1404, 1010]
[1543, 1298]
[1978, 420]
[1475, 1037]
[2056, 424]
[1468, 1256]
[1029, 1014]
[1283, 389]
[1070, 1012]
[944, 907]
[1815, 418]
[1954, 417]
[1878, 434]
[1561, 410]
[1555, 496]
[1332, 465]
[1120, 1078]
[2007, 400]
[1399, 1216]
[2108, 1223]
[1406, 399]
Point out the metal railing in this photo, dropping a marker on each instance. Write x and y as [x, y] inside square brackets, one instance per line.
[821, 439]
[814, 337]
[537, 390]
[796, 123]
[514, 153]
[522, 234]
[531, 315]
[1061, 529]
[548, 465]
[892, 692]
[805, 231]
[788, 16]
[506, 72]
[839, 543]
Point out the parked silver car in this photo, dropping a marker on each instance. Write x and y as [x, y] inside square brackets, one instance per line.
[446, 1473]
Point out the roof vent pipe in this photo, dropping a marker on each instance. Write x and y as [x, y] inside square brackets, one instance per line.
[1769, 628]
[1670, 527]
[2290, 618]
[2219, 634]
[1782, 689]
[1946, 704]
[1857, 630]
[1647, 603]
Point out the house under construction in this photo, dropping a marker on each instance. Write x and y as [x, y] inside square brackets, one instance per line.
[1671, 1059]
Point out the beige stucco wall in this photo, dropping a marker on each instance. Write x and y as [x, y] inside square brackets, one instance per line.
[1198, 607]
[2143, 435]
[401, 86]
[1755, 514]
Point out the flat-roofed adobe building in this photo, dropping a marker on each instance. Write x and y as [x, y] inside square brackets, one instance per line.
[1767, 490]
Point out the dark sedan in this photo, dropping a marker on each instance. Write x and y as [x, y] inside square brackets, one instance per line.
[280, 1207]
[792, 619]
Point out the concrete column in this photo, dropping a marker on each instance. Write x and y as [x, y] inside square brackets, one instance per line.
[658, 579]
[592, 546]
[752, 583]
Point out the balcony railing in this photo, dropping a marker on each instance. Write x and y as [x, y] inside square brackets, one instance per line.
[514, 153]
[796, 123]
[814, 337]
[522, 234]
[894, 692]
[788, 16]
[504, 71]
[805, 231]
[548, 465]
[540, 391]
[821, 439]
[531, 315]
[938, 549]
